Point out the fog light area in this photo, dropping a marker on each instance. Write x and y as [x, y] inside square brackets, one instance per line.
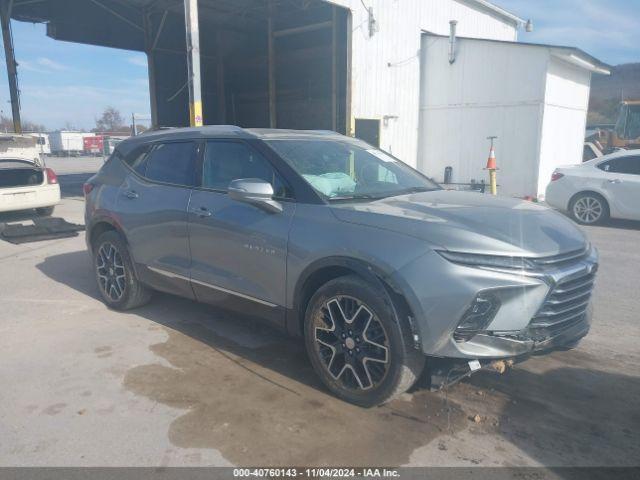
[479, 314]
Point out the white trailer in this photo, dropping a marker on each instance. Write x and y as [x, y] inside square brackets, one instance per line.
[534, 98]
[42, 140]
[66, 143]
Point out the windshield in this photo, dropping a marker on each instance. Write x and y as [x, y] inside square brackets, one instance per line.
[348, 170]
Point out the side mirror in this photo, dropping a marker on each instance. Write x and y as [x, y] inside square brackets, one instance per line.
[256, 192]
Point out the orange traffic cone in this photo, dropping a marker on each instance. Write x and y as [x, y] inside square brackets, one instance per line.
[491, 162]
[492, 167]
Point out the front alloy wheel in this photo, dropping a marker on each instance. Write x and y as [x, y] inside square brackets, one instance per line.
[352, 342]
[359, 341]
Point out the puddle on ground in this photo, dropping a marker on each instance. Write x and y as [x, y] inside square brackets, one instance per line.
[265, 405]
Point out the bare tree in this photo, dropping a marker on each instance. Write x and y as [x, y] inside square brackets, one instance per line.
[6, 125]
[111, 121]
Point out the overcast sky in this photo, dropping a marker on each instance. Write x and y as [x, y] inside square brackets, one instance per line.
[65, 82]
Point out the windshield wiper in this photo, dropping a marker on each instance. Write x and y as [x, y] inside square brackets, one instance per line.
[359, 196]
[411, 190]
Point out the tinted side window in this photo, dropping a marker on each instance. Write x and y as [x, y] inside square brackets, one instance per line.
[225, 161]
[628, 165]
[136, 158]
[172, 163]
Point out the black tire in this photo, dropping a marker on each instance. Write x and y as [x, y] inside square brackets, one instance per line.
[115, 275]
[45, 211]
[363, 348]
[598, 214]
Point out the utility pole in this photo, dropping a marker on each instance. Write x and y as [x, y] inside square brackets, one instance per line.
[12, 71]
[193, 62]
[133, 125]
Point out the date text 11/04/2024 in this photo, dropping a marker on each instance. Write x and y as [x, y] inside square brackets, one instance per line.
[316, 472]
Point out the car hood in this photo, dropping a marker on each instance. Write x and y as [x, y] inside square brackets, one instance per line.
[470, 222]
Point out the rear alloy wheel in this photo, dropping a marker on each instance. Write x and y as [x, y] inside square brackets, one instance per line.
[111, 273]
[589, 209]
[118, 285]
[358, 344]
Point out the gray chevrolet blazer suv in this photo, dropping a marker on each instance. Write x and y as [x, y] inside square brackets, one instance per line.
[378, 268]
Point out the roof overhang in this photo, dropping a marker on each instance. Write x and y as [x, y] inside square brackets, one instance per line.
[499, 11]
[580, 59]
[572, 55]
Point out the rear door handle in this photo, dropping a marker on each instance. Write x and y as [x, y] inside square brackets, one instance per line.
[202, 212]
[132, 194]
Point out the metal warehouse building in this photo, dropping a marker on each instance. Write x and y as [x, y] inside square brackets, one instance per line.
[377, 69]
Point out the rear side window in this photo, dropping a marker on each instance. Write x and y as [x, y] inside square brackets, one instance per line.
[628, 165]
[171, 163]
[136, 158]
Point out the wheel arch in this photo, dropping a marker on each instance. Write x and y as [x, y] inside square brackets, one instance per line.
[324, 270]
[100, 226]
[592, 192]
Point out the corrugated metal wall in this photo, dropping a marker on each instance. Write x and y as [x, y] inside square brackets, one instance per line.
[564, 119]
[535, 104]
[386, 66]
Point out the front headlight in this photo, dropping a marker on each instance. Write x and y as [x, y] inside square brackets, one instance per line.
[488, 261]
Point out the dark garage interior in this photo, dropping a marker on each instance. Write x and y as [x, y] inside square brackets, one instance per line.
[278, 63]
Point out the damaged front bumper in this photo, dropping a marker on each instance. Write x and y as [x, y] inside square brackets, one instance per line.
[443, 372]
[540, 309]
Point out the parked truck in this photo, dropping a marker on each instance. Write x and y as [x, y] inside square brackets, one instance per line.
[42, 140]
[110, 143]
[65, 143]
[93, 145]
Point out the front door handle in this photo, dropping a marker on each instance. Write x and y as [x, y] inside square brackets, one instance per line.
[615, 180]
[202, 212]
[131, 194]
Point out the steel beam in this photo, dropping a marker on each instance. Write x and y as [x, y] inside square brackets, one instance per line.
[271, 66]
[117, 15]
[151, 64]
[193, 62]
[303, 29]
[12, 70]
[334, 68]
[220, 81]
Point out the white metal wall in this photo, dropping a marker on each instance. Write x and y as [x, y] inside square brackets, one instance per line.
[535, 103]
[564, 118]
[386, 67]
[492, 89]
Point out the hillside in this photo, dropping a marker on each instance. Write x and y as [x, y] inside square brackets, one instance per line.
[608, 90]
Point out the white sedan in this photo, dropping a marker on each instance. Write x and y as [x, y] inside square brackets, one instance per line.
[25, 184]
[604, 187]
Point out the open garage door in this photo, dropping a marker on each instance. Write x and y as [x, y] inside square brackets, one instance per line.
[297, 79]
[279, 64]
[264, 63]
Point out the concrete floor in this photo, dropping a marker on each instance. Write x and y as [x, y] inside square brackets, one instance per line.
[179, 383]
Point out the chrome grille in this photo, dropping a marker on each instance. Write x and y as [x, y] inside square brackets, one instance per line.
[562, 259]
[566, 304]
